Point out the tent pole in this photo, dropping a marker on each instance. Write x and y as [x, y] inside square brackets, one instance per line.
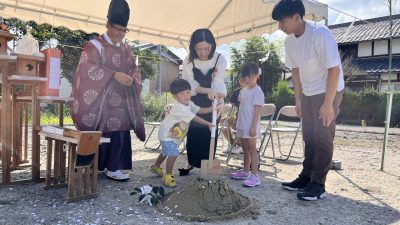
[389, 98]
[159, 70]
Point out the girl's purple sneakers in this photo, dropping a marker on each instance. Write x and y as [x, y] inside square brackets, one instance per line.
[240, 175]
[251, 181]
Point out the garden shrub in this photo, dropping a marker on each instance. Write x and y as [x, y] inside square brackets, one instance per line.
[153, 104]
[282, 96]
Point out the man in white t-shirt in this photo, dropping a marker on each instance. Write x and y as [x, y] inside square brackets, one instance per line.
[312, 54]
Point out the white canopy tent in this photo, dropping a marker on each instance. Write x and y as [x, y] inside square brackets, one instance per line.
[167, 22]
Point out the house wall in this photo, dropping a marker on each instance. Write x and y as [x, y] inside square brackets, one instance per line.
[364, 49]
[145, 86]
[380, 84]
[153, 86]
[385, 86]
[396, 46]
[359, 85]
[381, 47]
[395, 81]
[169, 72]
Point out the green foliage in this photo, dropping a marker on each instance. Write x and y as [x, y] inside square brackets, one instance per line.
[365, 107]
[350, 105]
[51, 119]
[372, 103]
[253, 50]
[71, 44]
[395, 117]
[282, 95]
[369, 106]
[147, 59]
[363, 123]
[153, 105]
[49, 115]
[272, 70]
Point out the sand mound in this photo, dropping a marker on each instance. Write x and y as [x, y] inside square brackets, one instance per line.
[201, 200]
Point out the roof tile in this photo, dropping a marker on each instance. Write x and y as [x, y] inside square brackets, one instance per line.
[366, 30]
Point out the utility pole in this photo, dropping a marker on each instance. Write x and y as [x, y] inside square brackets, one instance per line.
[389, 94]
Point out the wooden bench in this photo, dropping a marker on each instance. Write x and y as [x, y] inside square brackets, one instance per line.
[82, 148]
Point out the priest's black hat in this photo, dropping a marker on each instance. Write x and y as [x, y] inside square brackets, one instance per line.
[118, 12]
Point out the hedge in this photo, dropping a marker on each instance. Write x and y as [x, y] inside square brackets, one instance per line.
[368, 105]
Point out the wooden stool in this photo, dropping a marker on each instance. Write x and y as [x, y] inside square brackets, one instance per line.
[58, 177]
[82, 150]
[82, 172]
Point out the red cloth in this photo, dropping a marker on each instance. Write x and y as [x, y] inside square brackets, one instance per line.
[100, 102]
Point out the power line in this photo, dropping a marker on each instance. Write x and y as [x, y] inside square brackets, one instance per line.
[340, 11]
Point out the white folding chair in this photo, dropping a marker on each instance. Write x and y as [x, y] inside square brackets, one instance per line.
[163, 114]
[231, 136]
[288, 111]
[225, 114]
[267, 112]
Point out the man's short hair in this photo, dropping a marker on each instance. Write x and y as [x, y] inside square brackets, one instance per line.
[288, 8]
[179, 85]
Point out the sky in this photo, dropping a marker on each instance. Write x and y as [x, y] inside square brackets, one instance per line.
[362, 9]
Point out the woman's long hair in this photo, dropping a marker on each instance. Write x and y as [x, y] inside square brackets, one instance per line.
[198, 36]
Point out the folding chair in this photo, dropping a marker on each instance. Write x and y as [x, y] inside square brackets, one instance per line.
[231, 135]
[225, 114]
[156, 124]
[267, 111]
[288, 111]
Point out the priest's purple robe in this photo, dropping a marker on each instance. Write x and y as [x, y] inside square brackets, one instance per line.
[100, 102]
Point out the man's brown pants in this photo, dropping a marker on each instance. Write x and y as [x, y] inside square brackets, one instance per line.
[318, 139]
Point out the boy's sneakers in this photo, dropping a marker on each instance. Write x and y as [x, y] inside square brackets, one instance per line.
[312, 192]
[300, 183]
[240, 175]
[252, 181]
[157, 170]
[169, 180]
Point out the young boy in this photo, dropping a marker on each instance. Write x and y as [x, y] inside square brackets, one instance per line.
[174, 127]
[312, 53]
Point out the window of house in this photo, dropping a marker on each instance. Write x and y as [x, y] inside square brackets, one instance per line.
[364, 49]
[381, 47]
[396, 46]
[393, 77]
[395, 86]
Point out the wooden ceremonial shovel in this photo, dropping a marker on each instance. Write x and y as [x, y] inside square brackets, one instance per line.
[211, 168]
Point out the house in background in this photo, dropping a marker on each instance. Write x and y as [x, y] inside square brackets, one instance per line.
[364, 46]
[167, 70]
